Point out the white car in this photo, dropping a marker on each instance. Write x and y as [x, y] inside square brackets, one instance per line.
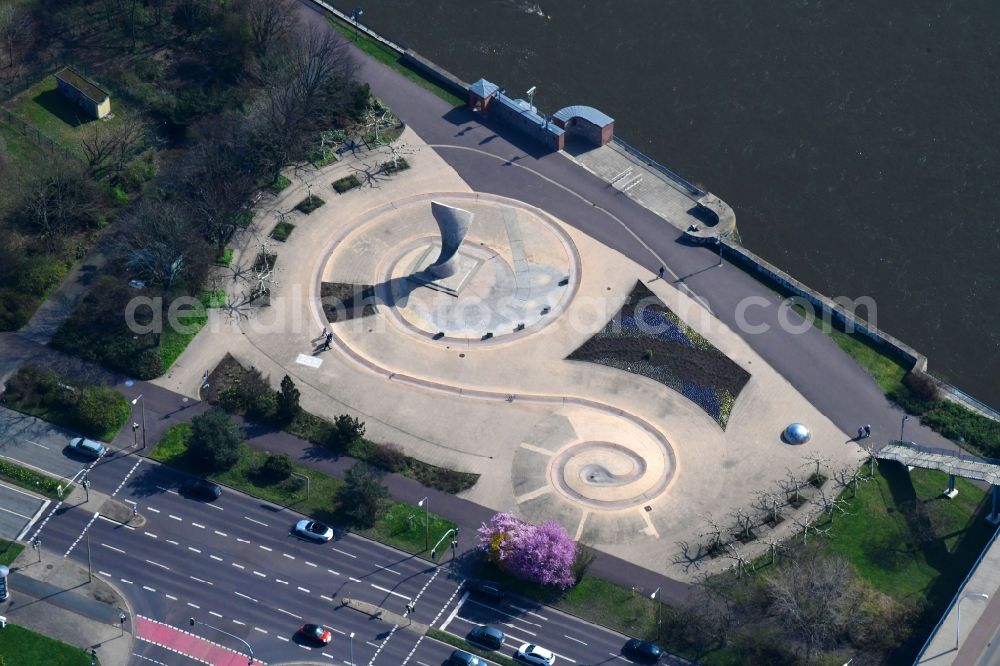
[87, 447]
[532, 654]
[314, 530]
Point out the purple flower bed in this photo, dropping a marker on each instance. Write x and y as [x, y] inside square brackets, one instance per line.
[646, 338]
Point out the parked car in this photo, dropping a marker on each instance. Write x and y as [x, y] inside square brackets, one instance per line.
[202, 489]
[533, 654]
[463, 658]
[643, 651]
[313, 529]
[488, 589]
[315, 633]
[87, 447]
[487, 637]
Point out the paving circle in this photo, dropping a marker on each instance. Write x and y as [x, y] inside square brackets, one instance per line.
[517, 270]
[609, 476]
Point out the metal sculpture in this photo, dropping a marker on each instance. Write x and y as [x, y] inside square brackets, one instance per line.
[454, 225]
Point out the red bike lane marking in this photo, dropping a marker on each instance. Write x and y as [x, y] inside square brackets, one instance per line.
[189, 645]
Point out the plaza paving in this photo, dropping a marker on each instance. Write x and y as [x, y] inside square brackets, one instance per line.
[622, 462]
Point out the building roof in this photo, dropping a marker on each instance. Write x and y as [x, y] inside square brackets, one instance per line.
[529, 112]
[483, 88]
[88, 88]
[588, 113]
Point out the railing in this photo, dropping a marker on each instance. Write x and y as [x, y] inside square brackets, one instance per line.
[346, 18]
[958, 453]
[967, 401]
[650, 162]
[35, 136]
[959, 593]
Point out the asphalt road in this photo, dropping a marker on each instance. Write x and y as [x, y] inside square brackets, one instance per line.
[38, 444]
[233, 564]
[18, 510]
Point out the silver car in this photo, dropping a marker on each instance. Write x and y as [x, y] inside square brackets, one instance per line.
[87, 447]
[533, 654]
[313, 530]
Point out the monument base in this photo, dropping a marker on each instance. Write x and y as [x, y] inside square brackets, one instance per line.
[467, 266]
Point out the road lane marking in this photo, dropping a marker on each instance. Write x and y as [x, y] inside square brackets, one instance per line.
[387, 591]
[150, 534]
[353, 579]
[198, 525]
[149, 508]
[85, 528]
[127, 582]
[173, 542]
[19, 515]
[178, 518]
[148, 588]
[525, 610]
[194, 550]
[283, 582]
[41, 446]
[302, 589]
[242, 540]
[238, 566]
[168, 490]
[343, 553]
[257, 573]
[214, 613]
[574, 639]
[242, 624]
[117, 550]
[193, 605]
[266, 548]
[125, 478]
[263, 631]
[255, 521]
[297, 617]
[104, 573]
[199, 580]
[325, 598]
[220, 533]
[310, 564]
[335, 573]
[291, 557]
[171, 597]
[240, 594]
[342, 633]
[157, 564]
[500, 610]
[212, 506]
[282, 638]
[34, 519]
[454, 612]
[392, 571]
[217, 559]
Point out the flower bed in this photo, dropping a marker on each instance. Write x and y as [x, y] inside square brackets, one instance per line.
[346, 183]
[646, 338]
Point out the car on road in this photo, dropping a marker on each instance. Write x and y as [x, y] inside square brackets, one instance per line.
[533, 654]
[313, 529]
[87, 447]
[488, 589]
[643, 651]
[202, 489]
[315, 633]
[487, 637]
[463, 658]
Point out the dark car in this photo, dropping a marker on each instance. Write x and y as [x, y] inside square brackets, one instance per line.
[488, 589]
[642, 651]
[463, 658]
[488, 637]
[314, 633]
[202, 489]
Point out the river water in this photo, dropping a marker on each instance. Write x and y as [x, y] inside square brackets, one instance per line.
[856, 140]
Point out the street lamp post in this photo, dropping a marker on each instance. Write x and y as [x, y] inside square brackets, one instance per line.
[223, 631]
[85, 482]
[902, 425]
[718, 242]
[352, 648]
[427, 522]
[958, 617]
[653, 597]
[355, 15]
[138, 398]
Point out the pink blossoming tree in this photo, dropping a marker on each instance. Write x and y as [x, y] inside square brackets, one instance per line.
[539, 553]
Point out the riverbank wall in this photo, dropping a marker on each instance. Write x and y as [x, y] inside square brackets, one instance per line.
[826, 308]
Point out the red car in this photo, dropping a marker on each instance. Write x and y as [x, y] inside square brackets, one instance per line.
[315, 633]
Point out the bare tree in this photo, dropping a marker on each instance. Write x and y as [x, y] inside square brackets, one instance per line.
[109, 145]
[744, 522]
[15, 29]
[57, 198]
[849, 476]
[740, 562]
[714, 532]
[270, 23]
[158, 242]
[813, 596]
[831, 504]
[774, 546]
[790, 486]
[820, 462]
[769, 503]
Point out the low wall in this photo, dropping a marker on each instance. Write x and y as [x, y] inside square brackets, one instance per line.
[441, 76]
[910, 357]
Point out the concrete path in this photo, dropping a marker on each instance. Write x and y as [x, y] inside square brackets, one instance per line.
[61, 303]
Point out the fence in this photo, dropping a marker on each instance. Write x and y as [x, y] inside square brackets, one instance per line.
[692, 189]
[35, 136]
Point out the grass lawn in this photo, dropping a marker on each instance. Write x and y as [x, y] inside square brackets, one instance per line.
[9, 550]
[402, 526]
[388, 57]
[282, 231]
[23, 646]
[43, 484]
[213, 299]
[173, 343]
[908, 540]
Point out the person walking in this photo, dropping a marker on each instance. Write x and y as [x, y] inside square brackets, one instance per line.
[861, 432]
[662, 270]
[328, 341]
[868, 431]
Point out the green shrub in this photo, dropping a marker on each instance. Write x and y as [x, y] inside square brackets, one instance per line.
[388, 457]
[282, 231]
[309, 204]
[138, 172]
[390, 168]
[276, 468]
[100, 412]
[279, 184]
[346, 183]
[346, 431]
[118, 196]
[16, 308]
[288, 401]
[363, 498]
[40, 274]
[226, 258]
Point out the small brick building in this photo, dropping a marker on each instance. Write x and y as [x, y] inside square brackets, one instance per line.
[84, 93]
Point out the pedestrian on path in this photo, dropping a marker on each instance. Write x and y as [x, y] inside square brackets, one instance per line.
[861, 432]
[328, 341]
[662, 270]
[868, 431]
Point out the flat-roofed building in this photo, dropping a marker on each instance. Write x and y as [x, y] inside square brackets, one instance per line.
[84, 93]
